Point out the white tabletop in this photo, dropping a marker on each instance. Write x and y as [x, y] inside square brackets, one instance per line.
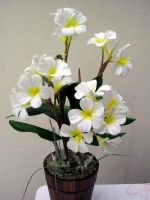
[109, 192]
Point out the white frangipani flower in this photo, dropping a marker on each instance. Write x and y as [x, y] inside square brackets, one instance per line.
[70, 21]
[107, 145]
[113, 122]
[32, 91]
[116, 103]
[53, 69]
[58, 84]
[18, 110]
[88, 89]
[122, 63]
[90, 116]
[34, 63]
[77, 138]
[103, 38]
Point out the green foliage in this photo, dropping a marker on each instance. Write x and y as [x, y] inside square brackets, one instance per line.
[43, 133]
[129, 121]
[68, 91]
[45, 109]
[106, 135]
[99, 80]
[59, 56]
[45, 79]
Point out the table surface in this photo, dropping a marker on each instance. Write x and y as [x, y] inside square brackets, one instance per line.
[109, 192]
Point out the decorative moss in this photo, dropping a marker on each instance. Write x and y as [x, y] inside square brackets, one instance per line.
[78, 166]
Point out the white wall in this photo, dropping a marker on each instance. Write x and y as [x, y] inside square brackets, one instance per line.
[25, 29]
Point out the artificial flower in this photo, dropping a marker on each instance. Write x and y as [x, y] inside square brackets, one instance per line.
[122, 63]
[18, 110]
[107, 144]
[116, 103]
[31, 90]
[88, 89]
[34, 63]
[70, 21]
[103, 38]
[90, 116]
[53, 69]
[113, 121]
[77, 139]
[59, 83]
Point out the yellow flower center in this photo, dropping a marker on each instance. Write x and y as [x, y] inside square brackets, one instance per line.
[112, 103]
[71, 22]
[122, 61]
[32, 91]
[99, 40]
[77, 135]
[51, 71]
[57, 87]
[109, 119]
[100, 139]
[87, 114]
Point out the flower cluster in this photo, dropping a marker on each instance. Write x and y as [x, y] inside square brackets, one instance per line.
[47, 81]
[33, 90]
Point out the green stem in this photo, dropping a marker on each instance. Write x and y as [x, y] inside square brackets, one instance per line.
[30, 180]
[112, 155]
[67, 46]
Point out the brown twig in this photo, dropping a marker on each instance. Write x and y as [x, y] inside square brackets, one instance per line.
[79, 75]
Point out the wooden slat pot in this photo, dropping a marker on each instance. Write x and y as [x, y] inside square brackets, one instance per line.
[70, 189]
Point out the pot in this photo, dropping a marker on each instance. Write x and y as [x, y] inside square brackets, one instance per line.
[79, 189]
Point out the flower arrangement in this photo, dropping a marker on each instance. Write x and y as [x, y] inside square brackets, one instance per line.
[46, 86]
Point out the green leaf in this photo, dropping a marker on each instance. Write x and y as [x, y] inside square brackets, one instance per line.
[95, 141]
[69, 91]
[45, 79]
[43, 133]
[128, 121]
[99, 80]
[59, 56]
[43, 109]
[106, 135]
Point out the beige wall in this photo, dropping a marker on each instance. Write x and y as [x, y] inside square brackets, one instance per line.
[25, 29]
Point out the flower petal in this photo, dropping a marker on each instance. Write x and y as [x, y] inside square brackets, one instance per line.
[92, 85]
[110, 35]
[23, 82]
[67, 31]
[36, 101]
[80, 18]
[45, 92]
[97, 122]
[36, 80]
[23, 97]
[83, 147]
[81, 90]
[74, 116]
[114, 129]
[86, 104]
[80, 29]
[88, 137]
[98, 109]
[91, 41]
[100, 91]
[72, 145]
[65, 130]
[84, 125]
[23, 114]
[121, 119]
